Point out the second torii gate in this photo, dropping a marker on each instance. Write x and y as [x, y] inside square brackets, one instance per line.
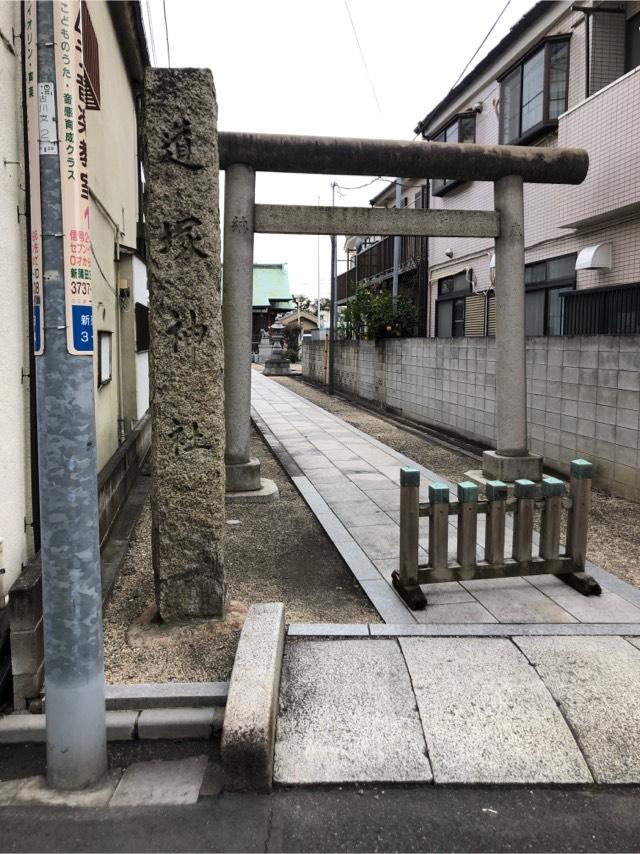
[507, 166]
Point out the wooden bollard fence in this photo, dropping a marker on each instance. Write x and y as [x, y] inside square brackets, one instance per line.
[548, 496]
[407, 579]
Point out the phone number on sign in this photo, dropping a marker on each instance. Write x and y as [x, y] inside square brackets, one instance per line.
[81, 288]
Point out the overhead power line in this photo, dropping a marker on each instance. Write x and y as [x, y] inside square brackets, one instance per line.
[364, 61]
[493, 26]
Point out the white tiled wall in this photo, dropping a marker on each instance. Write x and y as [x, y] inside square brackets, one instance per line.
[583, 394]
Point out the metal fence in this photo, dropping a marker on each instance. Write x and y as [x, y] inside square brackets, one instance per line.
[602, 311]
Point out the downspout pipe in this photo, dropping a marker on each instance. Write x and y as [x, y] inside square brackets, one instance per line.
[397, 245]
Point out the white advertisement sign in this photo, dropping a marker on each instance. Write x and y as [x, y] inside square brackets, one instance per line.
[74, 178]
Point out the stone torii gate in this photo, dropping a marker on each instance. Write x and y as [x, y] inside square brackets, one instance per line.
[507, 166]
[197, 434]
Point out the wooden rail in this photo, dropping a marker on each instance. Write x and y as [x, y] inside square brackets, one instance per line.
[569, 565]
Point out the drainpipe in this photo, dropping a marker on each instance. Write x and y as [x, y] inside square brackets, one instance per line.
[396, 246]
[587, 47]
[33, 409]
[332, 306]
[425, 263]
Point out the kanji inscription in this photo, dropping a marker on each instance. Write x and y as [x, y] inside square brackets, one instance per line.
[186, 347]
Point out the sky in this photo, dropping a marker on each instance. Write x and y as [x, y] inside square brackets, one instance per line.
[359, 68]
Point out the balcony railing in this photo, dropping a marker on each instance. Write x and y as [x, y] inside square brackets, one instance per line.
[375, 263]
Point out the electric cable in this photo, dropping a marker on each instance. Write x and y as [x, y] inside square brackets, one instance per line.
[364, 62]
[493, 26]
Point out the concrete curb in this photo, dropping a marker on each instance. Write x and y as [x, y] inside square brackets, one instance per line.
[165, 695]
[248, 734]
[124, 725]
[489, 630]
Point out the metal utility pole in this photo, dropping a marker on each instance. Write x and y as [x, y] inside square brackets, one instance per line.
[332, 306]
[72, 600]
[396, 245]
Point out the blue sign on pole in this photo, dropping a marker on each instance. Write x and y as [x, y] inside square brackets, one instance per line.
[37, 330]
[82, 319]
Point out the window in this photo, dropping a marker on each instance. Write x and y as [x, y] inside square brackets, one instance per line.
[104, 358]
[462, 129]
[545, 282]
[632, 43]
[142, 327]
[91, 60]
[534, 93]
[450, 306]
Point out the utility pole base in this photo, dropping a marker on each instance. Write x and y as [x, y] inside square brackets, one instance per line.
[496, 466]
[243, 477]
[267, 492]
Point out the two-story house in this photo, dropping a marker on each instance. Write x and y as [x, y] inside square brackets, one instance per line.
[114, 55]
[567, 74]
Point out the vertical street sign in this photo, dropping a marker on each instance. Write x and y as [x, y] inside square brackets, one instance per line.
[74, 179]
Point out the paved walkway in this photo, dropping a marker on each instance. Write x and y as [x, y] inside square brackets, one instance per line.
[511, 681]
[351, 482]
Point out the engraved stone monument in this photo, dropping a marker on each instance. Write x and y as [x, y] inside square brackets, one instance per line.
[186, 352]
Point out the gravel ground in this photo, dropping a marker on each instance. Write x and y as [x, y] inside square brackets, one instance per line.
[276, 552]
[614, 528]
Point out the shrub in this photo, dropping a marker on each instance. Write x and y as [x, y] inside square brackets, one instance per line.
[371, 314]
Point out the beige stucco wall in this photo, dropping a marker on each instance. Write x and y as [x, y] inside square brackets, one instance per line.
[112, 149]
[15, 499]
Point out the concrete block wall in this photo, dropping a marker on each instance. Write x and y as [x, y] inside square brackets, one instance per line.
[583, 394]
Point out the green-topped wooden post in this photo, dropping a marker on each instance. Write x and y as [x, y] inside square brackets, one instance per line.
[525, 492]
[496, 492]
[552, 492]
[439, 527]
[467, 523]
[581, 473]
[405, 581]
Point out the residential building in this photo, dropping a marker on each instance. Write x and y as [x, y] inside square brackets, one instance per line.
[566, 75]
[114, 55]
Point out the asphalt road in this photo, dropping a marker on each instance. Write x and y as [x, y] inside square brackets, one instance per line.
[402, 819]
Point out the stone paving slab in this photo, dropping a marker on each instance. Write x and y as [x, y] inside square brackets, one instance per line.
[487, 717]
[35, 791]
[159, 782]
[348, 714]
[596, 683]
[453, 612]
[8, 790]
[514, 600]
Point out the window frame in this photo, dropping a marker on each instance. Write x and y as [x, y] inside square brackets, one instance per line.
[441, 186]
[452, 298]
[141, 321]
[105, 336]
[633, 20]
[546, 124]
[546, 285]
